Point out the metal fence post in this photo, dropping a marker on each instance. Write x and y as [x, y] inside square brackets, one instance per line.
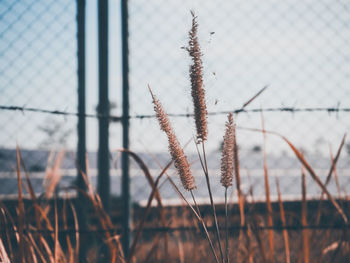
[81, 153]
[81, 94]
[125, 122]
[103, 184]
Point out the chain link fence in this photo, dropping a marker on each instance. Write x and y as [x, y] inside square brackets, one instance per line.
[299, 50]
[38, 69]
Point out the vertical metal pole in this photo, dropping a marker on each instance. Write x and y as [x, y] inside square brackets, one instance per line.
[125, 122]
[81, 207]
[81, 93]
[103, 183]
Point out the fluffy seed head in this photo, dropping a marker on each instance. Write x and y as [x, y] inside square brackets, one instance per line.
[177, 154]
[227, 158]
[181, 163]
[161, 115]
[196, 76]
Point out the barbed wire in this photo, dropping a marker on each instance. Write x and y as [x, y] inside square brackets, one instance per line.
[181, 115]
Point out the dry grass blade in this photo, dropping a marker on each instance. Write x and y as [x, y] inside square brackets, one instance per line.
[20, 211]
[3, 254]
[238, 188]
[305, 231]
[317, 179]
[251, 253]
[56, 233]
[30, 251]
[47, 249]
[35, 246]
[331, 171]
[199, 218]
[183, 197]
[31, 193]
[6, 227]
[76, 229]
[181, 251]
[254, 226]
[147, 174]
[307, 166]
[53, 175]
[267, 193]
[254, 97]
[203, 162]
[335, 176]
[106, 224]
[43, 247]
[68, 241]
[238, 178]
[150, 180]
[51, 229]
[153, 251]
[284, 223]
[143, 220]
[29, 183]
[259, 238]
[335, 160]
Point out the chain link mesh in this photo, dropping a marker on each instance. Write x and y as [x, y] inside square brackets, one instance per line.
[298, 49]
[38, 69]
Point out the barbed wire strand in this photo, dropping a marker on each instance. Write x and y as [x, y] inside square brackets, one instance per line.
[181, 115]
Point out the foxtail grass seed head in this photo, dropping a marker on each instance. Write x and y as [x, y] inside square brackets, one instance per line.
[227, 159]
[181, 163]
[196, 76]
[161, 115]
[177, 154]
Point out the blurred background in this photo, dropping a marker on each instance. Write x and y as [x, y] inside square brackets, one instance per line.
[298, 49]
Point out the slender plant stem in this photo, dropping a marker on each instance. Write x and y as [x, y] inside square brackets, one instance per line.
[195, 204]
[226, 227]
[205, 169]
[197, 214]
[205, 158]
[204, 227]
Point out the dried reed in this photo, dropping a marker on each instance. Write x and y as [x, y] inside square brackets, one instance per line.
[267, 194]
[305, 231]
[21, 211]
[284, 223]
